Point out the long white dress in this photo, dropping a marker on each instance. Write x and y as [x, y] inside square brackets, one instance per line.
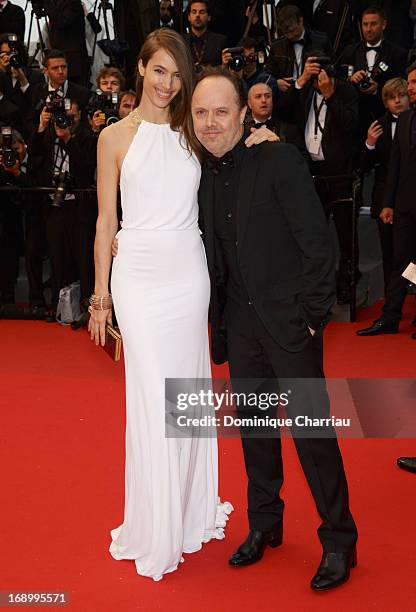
[160, 288]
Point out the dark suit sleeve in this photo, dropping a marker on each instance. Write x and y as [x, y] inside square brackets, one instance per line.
[301, 206]
[343, 105]
[368, 159]
[393, 173]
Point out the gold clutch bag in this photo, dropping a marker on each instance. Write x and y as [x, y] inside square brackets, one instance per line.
[113, 341]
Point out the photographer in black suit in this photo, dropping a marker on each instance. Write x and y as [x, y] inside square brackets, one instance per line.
[67, 32]
[287, 54]
[400, 211]
[376, 154]
[12, 19]
[325, 111]
[9, 112]
[206, 46]
[19, 79]
[270, 262]
[374, 61]
[69, 158]
[55, 69]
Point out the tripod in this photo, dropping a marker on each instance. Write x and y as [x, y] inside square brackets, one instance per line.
[37, 13]
[101, 8]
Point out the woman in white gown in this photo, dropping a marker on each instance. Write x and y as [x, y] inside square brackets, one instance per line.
[160, 288]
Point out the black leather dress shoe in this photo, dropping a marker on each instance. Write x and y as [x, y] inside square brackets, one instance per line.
[333, 570]
[407, 463]
[380, 326]
[252, 549]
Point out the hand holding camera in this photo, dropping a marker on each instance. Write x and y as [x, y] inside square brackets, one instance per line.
[97, 121]
[311, 70]
[44, 119]
[9, 160]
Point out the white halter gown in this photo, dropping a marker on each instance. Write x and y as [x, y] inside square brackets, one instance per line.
[160, 287]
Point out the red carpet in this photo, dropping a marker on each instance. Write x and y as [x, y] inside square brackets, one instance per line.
[62, 458]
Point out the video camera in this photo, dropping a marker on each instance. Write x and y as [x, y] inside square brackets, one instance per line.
[15, 60]
[39, 8]
[375, 75]
[6, 150]
[106, 102]
[59, 107]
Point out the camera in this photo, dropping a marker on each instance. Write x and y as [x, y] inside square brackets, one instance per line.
[375, 75]
[62, 181]
[6, 150]
[238, 60]
[325, 63]
[106, 102]
[39, 9]
[15, 61]
[59, 107]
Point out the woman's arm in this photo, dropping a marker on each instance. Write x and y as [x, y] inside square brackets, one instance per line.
[107, 186]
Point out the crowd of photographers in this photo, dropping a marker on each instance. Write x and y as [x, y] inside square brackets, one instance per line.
[334, 84]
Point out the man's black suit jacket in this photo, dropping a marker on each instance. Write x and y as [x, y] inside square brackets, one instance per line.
[341, 126]
[67, 33]
[282, 54]
[215, 43]
[379, 158]
[400, 184]
[10, 115]
[285, 252]
[12, 20]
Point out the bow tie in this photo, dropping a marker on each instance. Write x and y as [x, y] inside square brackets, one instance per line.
[261, 124]
[301, 41]
[216, 164]
[394, 119]
[370, 48]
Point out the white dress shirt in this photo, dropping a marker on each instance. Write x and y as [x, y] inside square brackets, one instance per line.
[313, 141]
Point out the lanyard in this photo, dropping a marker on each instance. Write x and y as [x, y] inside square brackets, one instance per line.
[198, 54]
[61, 155]
[317, 111]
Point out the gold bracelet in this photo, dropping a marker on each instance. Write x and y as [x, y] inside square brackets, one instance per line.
[101, 302]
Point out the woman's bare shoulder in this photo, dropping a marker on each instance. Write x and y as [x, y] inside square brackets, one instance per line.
[118, 132]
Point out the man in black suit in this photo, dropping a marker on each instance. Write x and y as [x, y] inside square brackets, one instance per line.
[12, 19]
[334, 17]
[67, 32]
[260, 103]
[70, 227]
[400, 210]
[287, 54]
[376, 154]
[206, 46]
[9, 112]
[272, 285]
[55, 69]
[325, 111]
[168, 16]
[374, 61]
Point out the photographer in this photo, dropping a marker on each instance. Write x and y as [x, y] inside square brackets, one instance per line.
[12, 19]
[109, 81]
[68, 149]
[126, 103]
[245, 61]
[55, 69]
[287, 54]
[13, 160]
[376, 153]
[19, 78]
[325, 110]
[374, 61]
[67, 32]
[206, 46]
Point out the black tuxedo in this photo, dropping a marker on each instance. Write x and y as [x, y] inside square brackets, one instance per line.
[379, 159]
[399, 195]
[9, 114]
[14, 93]
[282, 56]
[267, 286]
[212, 48]
[371, 106]
[12, 20]
[67, 33]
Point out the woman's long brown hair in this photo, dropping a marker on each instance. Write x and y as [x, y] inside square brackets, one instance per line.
[180, 107]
